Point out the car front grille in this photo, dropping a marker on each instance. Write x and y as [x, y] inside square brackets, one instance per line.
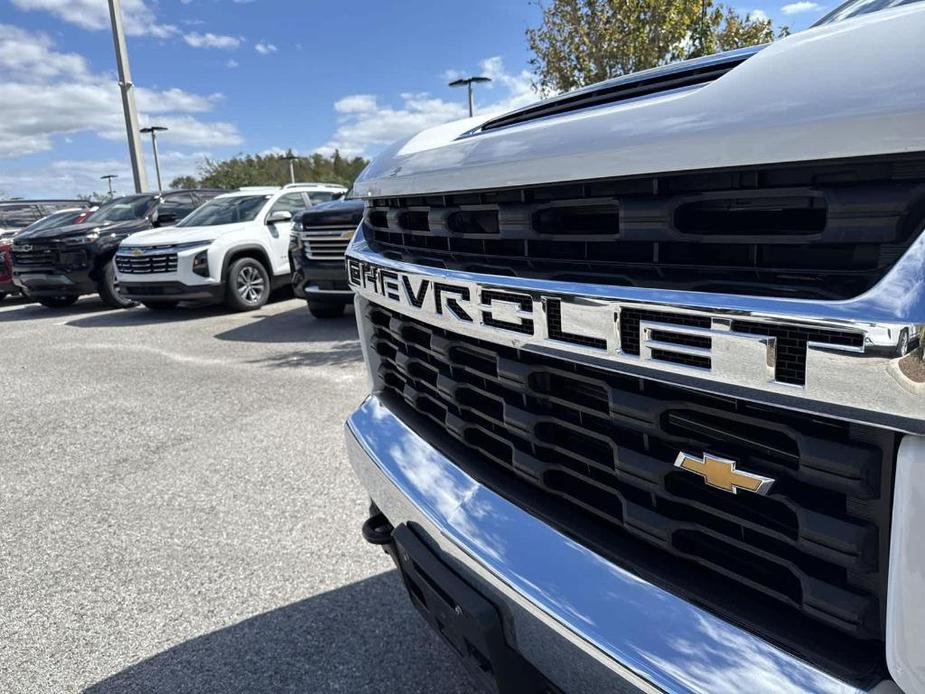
[36, 255]
[605, 444]
[326, 245]
[146, 264]
[827, 231]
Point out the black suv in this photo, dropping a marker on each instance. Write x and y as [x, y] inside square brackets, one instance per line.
[58, 265]
[316, 253]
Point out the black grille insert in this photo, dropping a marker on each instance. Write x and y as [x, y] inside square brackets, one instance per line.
[603, 445]
[824, 231]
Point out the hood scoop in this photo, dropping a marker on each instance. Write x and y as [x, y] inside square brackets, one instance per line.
[686, 74]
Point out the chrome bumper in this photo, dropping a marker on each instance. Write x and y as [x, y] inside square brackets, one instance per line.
[584, 622]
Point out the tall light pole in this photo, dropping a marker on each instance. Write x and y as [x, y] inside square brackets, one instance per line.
[154, 130]
[467, 82]
[291, 159]
[108, 178]
[128, 98]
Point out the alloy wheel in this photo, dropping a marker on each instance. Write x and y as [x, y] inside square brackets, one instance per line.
[250, 285]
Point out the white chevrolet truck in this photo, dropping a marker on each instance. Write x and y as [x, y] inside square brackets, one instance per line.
[647, 400]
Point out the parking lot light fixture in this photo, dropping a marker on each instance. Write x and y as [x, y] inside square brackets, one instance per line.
[291, 158]
[108, 178]
[467, 82]
[154, 129]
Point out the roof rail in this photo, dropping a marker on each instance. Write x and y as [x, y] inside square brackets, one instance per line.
[316, 185]
[260, 188]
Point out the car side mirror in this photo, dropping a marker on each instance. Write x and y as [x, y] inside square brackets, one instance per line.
[279, 216]
[165, 219]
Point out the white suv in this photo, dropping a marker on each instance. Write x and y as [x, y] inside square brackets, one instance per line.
[234, 249]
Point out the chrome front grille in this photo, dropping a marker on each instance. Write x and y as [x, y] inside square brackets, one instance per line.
[600, 448]
[147, 263]
[329, 244]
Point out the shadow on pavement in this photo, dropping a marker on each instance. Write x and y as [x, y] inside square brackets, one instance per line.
[128, 318]
[294, 325]
[364, 637]
[336, 355]
[33, 311]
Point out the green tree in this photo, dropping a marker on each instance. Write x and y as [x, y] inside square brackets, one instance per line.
[273, 169]
[184, 183]
[579, 42]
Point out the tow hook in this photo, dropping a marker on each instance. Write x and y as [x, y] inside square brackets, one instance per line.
[377, 530]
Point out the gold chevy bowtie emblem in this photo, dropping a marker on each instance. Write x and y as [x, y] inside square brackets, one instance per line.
[137, 252]
[722, 474]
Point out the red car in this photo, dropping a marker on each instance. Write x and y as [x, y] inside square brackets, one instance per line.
[6, 271]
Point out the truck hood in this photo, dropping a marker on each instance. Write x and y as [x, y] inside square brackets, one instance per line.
[169, 236]
[84, 228]
[848, 89]
[335, 213]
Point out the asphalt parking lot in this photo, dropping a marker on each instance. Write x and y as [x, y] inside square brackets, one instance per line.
[177, 513]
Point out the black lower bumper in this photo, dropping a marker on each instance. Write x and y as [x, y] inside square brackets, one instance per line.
[51, 282]
[171, 291]
[322, 281]
[466, 620]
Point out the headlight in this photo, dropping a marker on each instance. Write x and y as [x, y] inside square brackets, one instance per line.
[201, 263]
[190, 244]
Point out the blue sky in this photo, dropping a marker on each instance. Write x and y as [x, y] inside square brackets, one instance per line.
[231, 76]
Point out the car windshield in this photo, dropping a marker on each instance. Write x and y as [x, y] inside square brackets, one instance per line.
[57, 219]
[240, 208]
[855, 8]
[122, 210]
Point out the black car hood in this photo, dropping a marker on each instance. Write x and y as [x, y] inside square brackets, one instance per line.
[71, 230]
[336, 212]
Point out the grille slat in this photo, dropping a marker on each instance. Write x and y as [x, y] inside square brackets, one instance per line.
[326, 245]
[147, 264]
[37, 256]
[605, 443]
[815, 231]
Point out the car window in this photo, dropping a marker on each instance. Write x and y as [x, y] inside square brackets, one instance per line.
[17, 216]
[239, 208]
[206, 195]
[122, 209]
[318, 196]
[177, 204]
[290, 202]
[57, 219]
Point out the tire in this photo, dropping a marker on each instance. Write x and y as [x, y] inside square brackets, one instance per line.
[159, 305]
[57, 301]
[108, 289]
[902, 346]
[247, 286]
[3, 295]
[325, 309]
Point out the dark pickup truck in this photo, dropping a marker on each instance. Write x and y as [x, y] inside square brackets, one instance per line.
[57, 266]
[316, 253]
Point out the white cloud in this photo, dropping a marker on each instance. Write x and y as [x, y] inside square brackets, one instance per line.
[138, 17]
[232, 63]
[758, 16]
[365, 124]
[69, 177]
[264, 48]
[802, 6]
[355, 103]
[210, 40]
[47, 94]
